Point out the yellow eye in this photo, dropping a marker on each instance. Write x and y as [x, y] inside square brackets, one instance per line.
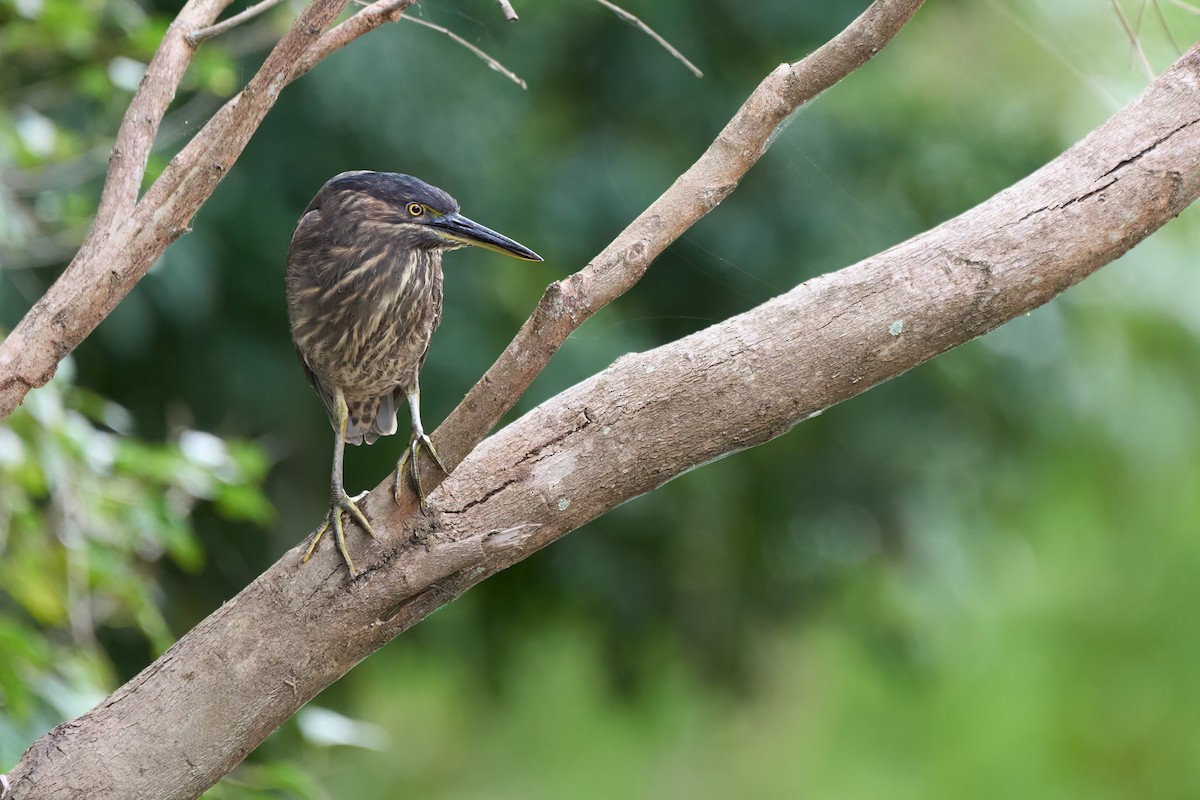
[416, 209]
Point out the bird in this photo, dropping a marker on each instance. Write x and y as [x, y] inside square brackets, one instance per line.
[364, 297]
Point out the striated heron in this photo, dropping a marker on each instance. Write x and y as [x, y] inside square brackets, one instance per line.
[364, 294]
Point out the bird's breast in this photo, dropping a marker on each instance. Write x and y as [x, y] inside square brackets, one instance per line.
[363, 320]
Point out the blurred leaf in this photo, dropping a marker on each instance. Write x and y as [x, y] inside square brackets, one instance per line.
[244, 503]
[214, 72]
[85, 514]
[327, 728]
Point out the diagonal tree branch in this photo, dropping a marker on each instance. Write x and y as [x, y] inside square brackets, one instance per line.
[649, 417]
[568, 303]
[139, 127]
[120, 251]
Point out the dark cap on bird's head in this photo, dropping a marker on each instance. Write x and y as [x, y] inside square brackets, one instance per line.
[423, 215]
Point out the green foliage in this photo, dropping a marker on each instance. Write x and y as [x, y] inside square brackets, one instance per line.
[69, 71]
[87, 513]
[263, 781]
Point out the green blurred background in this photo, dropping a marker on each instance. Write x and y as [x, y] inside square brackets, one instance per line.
[976, 580]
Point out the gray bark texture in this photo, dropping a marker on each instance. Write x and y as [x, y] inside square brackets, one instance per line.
[188, 718]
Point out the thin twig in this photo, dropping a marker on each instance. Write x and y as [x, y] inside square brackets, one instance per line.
[630, 18]
[204, 34]
[487, 59]
[491, 62]
[1162, 20]
[510, 13]
[1134, 42]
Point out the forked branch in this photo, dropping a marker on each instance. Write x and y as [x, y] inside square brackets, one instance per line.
[139, 127]
[128, 235]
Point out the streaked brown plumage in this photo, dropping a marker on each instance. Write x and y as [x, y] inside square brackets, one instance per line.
[364, 293]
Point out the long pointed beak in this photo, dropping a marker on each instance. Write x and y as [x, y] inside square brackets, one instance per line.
[460, 229]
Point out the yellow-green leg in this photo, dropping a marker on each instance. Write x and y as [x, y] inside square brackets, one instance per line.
[339, 501]
[411, 453]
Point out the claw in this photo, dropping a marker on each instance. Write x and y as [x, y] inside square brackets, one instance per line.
[334, 519]
[411, 454]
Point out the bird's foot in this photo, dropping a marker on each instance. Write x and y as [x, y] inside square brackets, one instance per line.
[340, 505]
[415, 445]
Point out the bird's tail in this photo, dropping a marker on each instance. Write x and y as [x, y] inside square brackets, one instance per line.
[371, 418]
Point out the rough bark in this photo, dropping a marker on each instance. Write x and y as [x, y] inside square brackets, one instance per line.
[200, 708]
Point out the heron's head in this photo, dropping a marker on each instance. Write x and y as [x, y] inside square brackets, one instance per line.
[411, 211]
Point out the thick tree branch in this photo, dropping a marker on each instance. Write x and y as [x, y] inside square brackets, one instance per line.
[126, 240]
[187, 718]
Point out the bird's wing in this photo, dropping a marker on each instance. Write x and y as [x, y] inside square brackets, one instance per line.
[323, 391]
